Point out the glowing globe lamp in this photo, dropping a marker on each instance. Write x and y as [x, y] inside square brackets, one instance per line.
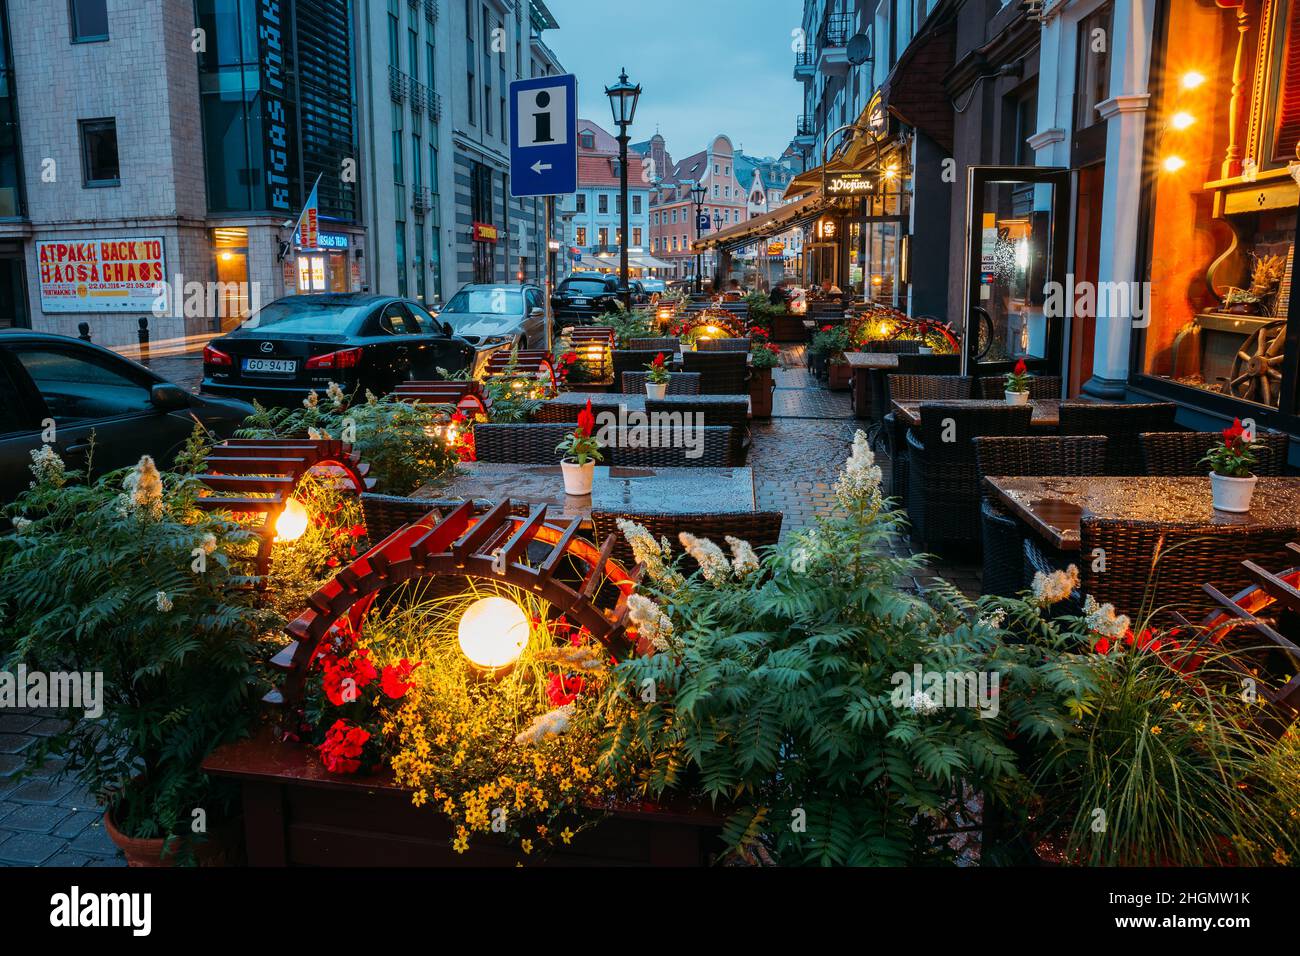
[292, 523]
[493, 632]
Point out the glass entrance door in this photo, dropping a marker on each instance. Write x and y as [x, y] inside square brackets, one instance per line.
[1015, 246]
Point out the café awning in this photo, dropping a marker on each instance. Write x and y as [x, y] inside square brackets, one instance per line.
[766, 225]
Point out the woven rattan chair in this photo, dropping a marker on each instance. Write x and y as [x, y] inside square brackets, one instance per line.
[1156, 569]
[909, 364]
[679, 383]
[728, 411]
[893, 346]
[723, 345]
[943, 490]
[712, 451]
[635, 360]
[912, 388]
[1040, 386]
[721, 373]
[1121, 424]
[669, 347]
[1181, 453]
[531, 443]
[551, 412]
[759, 528]
[1002, 535]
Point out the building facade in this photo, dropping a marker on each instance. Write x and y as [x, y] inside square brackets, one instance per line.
[594, 211]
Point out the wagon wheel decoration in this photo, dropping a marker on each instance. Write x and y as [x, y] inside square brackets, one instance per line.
[1249, 621]
[582, 582]
[466, 397]
[239, 469]
[1257, 368]
[524, 365]
[983, 332]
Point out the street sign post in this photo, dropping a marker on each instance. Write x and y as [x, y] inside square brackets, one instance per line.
[544, 151]
[544, 136]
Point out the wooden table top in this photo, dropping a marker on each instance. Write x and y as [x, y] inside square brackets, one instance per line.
[635, 401]
[866, 360]
[650, 490]
[1046, 414]
[1054, 507]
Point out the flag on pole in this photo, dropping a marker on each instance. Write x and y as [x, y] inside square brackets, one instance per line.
[308, 228]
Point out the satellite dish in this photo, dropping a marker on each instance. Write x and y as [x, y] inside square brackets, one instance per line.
[859, 50]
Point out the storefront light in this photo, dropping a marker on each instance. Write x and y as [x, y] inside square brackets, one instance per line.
[1181, 120]
[1173, 163]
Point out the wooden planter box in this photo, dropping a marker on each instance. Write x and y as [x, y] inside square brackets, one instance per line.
[761, 387]
[839, 376]
[297, 814]
[789, 328]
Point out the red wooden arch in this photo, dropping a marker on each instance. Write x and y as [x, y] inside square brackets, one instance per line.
[468, 397]
[467, 543]
[240, 467]
[533, 363]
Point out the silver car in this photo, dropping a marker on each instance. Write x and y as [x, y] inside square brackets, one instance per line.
[483, 314]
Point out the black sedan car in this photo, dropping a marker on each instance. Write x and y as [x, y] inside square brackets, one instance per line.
[584, 296]
[82, 388]
[303, 342]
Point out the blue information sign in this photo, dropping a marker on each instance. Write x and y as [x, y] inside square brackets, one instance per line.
[544, 136]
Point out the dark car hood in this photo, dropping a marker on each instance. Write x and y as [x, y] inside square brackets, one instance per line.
[480, 324]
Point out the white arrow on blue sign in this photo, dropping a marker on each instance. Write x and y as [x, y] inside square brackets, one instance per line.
[544, 136]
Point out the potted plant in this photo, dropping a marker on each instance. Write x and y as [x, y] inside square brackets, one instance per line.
[581, 451]
[764, 357]
[656, 384]
[1232, 484]
[1017, 387]
[125, 579]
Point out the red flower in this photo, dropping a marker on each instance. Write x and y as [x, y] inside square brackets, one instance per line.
[586, 421]
[341, 750]
[569, 358]
[1102, 646]
[657, 363]
[343, 679]
[1021, 367]
[357, 530]
[394, 680]
[758, 332]
[563, 690]
[827, 328]
[458, 418]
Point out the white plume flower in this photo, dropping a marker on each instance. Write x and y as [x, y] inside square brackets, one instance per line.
[163, 600]
[47, 466]
[335, 394]
[1053, 588]
[650, 622]
[655, 555]
[860, 481]
[713, 563]
[144, 489]
[312, 400]
[744, 560]
[548, 724]
[1102, 619]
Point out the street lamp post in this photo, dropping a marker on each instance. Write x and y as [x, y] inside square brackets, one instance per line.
[698, 193]
[623, 96]
[717, 225]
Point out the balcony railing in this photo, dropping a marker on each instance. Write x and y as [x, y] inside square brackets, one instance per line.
[431, 10]
[804, 58]
[421, 201]
[396, 84]
[836, 30]
[805, 125]
[435, 104]
[419, 95]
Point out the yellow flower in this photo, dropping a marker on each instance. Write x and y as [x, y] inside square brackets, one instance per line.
[1156, 730]
[526, 846]
[1198, 726]
[1176, 705]
[566, 835]
[1281, 857]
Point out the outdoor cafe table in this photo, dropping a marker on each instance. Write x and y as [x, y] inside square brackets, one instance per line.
[613, 488]
[861, 365]
[1054, 507]
[635, 401]
[1046, 411]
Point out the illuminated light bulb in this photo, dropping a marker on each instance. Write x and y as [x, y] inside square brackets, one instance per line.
[1192, 79]
[493, 632]
[1174, 163]
[1181, 120]
[292, 523]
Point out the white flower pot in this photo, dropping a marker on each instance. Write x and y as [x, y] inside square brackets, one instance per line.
[1017, 398]
[577, 478]
[1232, 494]
[925, 350]
[656, 391]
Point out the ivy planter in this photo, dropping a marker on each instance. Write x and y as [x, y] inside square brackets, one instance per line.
[298, 814]
[761, 387]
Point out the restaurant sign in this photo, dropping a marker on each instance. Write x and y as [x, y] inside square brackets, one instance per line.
[484, 232]
[775, 248]
[100, 275]
[849, 183]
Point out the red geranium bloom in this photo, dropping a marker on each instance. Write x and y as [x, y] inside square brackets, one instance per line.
[563, 690]
[1021, 367]
[394, 680]
[586, 420]
[659, 361]
[359, 671]
[341, 750]
[827, 328]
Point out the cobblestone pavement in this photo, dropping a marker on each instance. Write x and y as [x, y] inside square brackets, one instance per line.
[796, 457]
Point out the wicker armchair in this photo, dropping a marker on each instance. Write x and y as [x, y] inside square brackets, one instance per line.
[721, 373]
[551, 412]
[912, 387]
[1180, 453]
[679, 383]
[1121, 424]
[943, 490]
[759, 528]
[634, 360]
[1002, 534]
[672, 452]
[532, 443]
[724, 345]
[893, 346]
[732, 412]
[669, 346]
[1040, 386]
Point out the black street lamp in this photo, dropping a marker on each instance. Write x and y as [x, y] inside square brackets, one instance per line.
[622, 100]
[717, 225]
[698, 192]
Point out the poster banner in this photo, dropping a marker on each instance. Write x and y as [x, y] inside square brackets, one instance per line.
[100, 275]
[308, 226]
